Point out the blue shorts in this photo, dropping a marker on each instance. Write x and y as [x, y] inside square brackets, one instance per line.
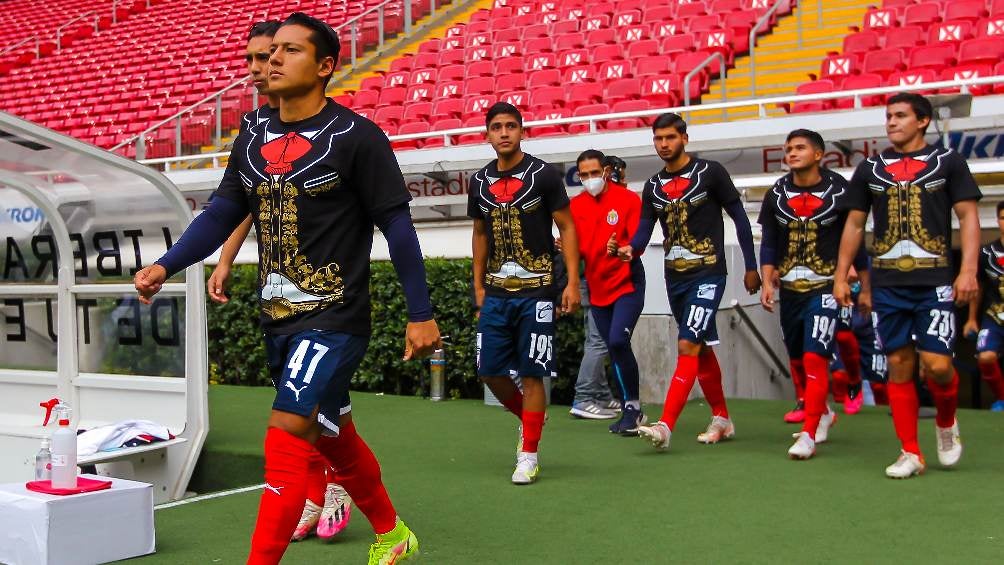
[312, 369]
[694, 304]
[874, 365]
[808, 323]
[922, 315]
[844, 316]
[515, 334]
[991, 336]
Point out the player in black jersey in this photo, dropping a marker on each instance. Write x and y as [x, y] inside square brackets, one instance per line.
[316, 178]
[803, 218]
[687, 198]
[911, 189]
[328, 507]
[990, 326]
[514, 201]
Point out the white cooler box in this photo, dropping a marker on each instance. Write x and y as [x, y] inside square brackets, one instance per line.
[85, 529]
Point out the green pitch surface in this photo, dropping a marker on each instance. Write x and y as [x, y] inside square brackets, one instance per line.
[612, 500]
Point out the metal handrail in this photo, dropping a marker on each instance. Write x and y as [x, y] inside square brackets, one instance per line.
[59, 30]
[778, 364]
[766, 17]
[760, 103]
[22, 42]
[140, 137]
[717, 55]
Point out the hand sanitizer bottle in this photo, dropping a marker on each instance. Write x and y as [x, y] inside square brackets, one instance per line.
[64, 451]
[43, 462]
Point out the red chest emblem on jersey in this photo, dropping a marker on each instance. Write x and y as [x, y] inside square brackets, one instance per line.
[282, 151]
[1000, 261]
[505, 189]
[906, 169]
[676, 187]
[805, 205]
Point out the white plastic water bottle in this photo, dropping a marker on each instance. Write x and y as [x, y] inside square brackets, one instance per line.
[43, 462]
[64, 451]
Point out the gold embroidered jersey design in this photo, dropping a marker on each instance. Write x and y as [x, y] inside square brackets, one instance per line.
[280, 252]
[507, 232]
[674, 218]
[802, 238]
[904, 211]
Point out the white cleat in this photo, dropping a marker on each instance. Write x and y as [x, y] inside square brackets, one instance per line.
[658, 433]
[826, 421]
[908, 465]
[308, 521]
[803, 448]
[719, 429]
[526, 469]
[949, 445]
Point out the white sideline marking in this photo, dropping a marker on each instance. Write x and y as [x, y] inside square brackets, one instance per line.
[202, 497]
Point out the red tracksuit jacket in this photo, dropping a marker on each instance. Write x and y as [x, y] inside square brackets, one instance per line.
[616, 212]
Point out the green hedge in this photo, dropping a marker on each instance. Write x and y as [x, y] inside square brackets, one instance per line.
[237, 356]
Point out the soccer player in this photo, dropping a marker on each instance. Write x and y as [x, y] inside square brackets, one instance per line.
[909, 189]
[687, 198]
[317, 178]
[606, 216]
[802, 217]
[328, 507]
[514, 201]
[990, 340]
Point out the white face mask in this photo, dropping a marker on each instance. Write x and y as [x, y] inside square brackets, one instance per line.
[594, 186]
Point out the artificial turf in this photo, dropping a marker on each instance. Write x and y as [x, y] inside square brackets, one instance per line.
[612, 500]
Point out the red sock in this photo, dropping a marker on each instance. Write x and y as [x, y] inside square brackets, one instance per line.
[816, 389]
[679, 388]
[514, 404]
[798, 378]
[880, 393]
[839, 385]
[991, 373]
[946, 400]
[904, 404]
[287, 459]
[850, 354]
[709, 376]
[533, 428]
[317, 480]
[359, 474]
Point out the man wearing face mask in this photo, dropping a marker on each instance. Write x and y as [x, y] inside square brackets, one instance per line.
[606, 216]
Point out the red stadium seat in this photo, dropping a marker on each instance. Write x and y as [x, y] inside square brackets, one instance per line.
[883, 62]
[814, 87]
[459, 72]
[632, 33]
[988, 50]
[860, 82]
[623, 89]
[925, 13]
[881, 19]
[862, 42]
[449, 89]
[679, 43]
[906, 37]
[652, 66]
[951, 32]
[581, 73]
[441, 125]
[448, 108]
[478, 104]
[935, 56]
[911, 77]
[585, 93]
[661, 91]
[510, 82]
[540, 61]
[420, 93]
[613, 70]
[991, 27]
[587, 110]
[573, 57]
[643, 48]
[391, 115]
[971, 10]
[479, 85]
[410, 127]
[970, 71]
[837, 67]
[518, 98]
[547, 77]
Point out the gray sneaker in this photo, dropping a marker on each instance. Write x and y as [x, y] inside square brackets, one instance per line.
[591, 411]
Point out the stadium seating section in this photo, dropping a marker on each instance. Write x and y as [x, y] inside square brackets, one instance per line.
[905, 42]
[555, 59]
[107, 80]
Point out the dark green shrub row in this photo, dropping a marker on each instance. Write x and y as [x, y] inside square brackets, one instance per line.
[237, 355]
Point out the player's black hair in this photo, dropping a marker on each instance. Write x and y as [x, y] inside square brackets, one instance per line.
[617, 167]
[500, 108]
[814, 138]
[592, 154]
[263, 29]
[670, 120]
[921, 105]
[324, 39]
[1000, 206]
